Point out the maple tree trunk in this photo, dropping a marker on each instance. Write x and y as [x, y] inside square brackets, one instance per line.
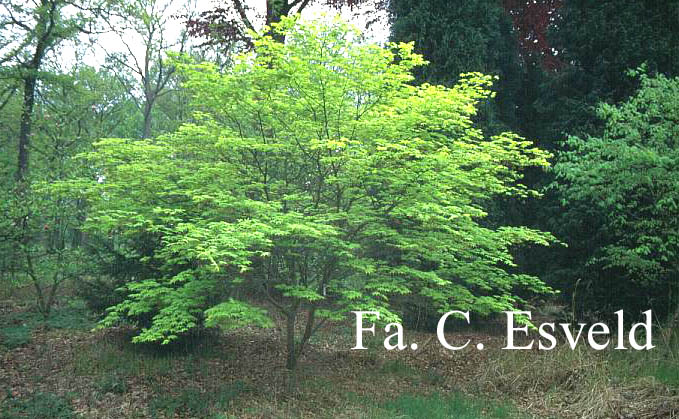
[308, 330]
[290, 332]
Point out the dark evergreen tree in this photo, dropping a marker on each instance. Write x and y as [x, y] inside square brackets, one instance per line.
[459, 37]
[596, 43]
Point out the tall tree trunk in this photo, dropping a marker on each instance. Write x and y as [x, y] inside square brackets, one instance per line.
[149, 100]
[275, 10]
[26, 125]
[147, 119]
[45, 27]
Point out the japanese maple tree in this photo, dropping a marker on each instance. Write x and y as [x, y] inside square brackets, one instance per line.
[316, 175]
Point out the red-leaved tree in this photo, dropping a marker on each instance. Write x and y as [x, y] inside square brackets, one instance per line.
[532, 19]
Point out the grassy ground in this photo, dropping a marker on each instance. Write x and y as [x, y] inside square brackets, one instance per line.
[60, 369]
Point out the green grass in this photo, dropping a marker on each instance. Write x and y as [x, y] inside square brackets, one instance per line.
[659, 363]
[73, 317]
[109, 358]
[196, 402]
[667, 372]
[15, 336]
[39, 406]
[457, 405]
[116, 355]
[112, 383]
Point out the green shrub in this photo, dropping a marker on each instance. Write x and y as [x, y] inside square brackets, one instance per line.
[74, 316]
[102, 292]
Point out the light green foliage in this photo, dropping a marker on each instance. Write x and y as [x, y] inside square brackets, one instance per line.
[318, 175]
[234, 314]
[629, 176]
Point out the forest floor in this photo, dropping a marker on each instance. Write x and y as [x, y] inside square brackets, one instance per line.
[61, 369]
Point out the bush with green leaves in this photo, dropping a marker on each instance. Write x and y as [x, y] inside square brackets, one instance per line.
[626, 184]
[317, 176]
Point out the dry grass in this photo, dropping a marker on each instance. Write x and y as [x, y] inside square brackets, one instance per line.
[584, 383]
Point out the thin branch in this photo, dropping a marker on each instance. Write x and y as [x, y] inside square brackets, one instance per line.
[304, 4]
[17, 22]
[10, 94]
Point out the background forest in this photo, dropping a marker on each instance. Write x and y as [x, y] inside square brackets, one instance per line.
[195, 198]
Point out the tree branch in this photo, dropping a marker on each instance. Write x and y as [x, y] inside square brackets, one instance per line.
[244, 17]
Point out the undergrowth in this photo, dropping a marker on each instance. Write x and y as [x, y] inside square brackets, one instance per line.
[16, 328]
